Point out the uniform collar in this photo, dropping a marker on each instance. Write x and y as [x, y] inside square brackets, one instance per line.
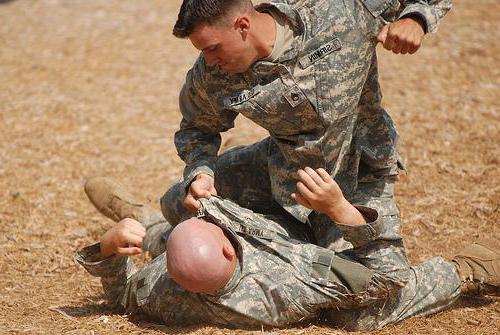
[296, 23]
[286, 11]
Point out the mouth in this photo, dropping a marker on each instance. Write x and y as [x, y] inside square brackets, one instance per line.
[224, 67]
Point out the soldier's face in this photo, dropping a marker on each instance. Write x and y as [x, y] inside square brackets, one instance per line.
[225, 46]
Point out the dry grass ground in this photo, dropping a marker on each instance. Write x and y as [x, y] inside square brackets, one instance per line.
[90, 88]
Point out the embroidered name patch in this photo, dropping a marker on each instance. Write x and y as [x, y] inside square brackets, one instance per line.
[320, 52]
[255, 232]
[240, 98]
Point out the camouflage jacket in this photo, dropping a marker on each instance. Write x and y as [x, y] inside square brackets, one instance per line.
[278, 280]
[320, 101]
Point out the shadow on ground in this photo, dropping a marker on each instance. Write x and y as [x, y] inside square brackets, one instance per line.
[146, 323]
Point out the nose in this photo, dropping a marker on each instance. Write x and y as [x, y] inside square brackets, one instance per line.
[211, 59]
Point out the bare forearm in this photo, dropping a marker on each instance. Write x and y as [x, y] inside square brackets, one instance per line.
[344, 212]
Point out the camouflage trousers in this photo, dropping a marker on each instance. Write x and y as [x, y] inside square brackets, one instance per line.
[241, 175]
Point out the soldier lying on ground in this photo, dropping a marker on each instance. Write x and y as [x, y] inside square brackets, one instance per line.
[236, 268]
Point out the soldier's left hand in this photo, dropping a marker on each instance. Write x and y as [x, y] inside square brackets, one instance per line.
[318, 191]
[403, 36]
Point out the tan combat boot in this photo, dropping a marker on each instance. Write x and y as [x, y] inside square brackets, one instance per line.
[114, 201]
[478, 266]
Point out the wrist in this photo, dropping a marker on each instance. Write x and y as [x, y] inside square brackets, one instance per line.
[418, 20]
[344, 212]
[338, 209]
[106, 252]
[106, 247]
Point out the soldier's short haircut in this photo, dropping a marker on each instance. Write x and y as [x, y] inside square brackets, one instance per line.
[195, 12]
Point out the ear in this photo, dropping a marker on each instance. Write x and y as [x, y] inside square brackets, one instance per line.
[228, 251]
[242, 24]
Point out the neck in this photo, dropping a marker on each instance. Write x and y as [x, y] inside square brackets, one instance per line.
[264, 34]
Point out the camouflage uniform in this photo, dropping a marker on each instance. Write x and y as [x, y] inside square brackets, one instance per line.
[321, 103]
[279, 279]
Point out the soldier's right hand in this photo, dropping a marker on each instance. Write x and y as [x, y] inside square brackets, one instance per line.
[202, 187]
[124, 239]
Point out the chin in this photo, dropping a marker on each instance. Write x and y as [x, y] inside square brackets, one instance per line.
[232, 69]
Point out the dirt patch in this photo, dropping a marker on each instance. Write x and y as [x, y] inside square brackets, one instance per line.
[90, 88]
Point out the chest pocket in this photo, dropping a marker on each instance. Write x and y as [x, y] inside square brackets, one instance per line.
[324, 58]
[278, 104]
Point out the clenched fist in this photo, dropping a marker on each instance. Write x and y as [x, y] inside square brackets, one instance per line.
[202, 187]
[403, 36]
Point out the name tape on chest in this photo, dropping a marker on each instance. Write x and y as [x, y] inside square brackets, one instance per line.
[240, 98]
[320, 52]
[255, 232]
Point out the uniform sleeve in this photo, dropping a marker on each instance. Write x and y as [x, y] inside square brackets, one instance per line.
[359, 235]
[198, 140]
[149, 290]
[429, 11]
[114, 272]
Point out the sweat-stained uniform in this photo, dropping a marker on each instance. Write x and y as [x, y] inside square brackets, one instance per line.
[320, 100]
[279, 279]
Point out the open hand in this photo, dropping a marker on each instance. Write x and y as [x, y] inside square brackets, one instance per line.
[124, 239]
[202, 187]
[403, 36]
[318, 191]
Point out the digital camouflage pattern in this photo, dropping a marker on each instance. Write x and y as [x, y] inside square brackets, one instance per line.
[320, 101]
[279, 279]
[240, 175]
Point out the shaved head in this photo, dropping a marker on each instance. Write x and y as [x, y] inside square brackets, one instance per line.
[200, 258]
